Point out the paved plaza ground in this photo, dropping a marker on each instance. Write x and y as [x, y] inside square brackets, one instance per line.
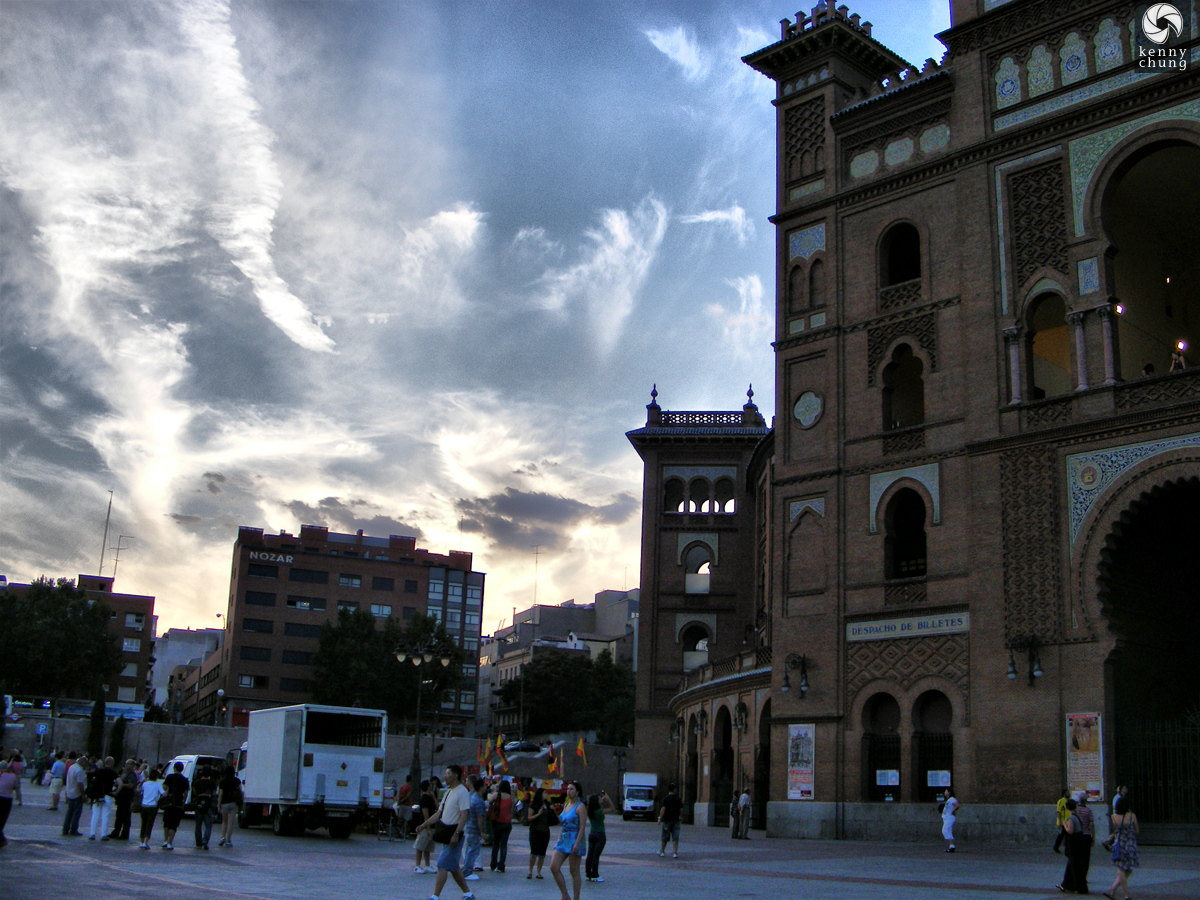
[40, 864]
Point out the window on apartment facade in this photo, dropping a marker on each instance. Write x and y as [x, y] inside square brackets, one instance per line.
[126, 694]
[351, 581]
[129, 670]
[132, 645]
[474, 590]
[262, 571]
[297, 657]
[383, 610]
[454, 590]
[259, 598]
[256, 654]
[135, 620]
[437, 585]
[295, 685]
[296, 629]
[466, 700]
[311, 603]
[253, 681]
[410, 586]
[409, 612]
[383, 584]
[308, 576]
[262, 626]
[347, 605]
[472, 620]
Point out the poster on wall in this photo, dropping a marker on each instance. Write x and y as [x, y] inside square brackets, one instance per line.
[1085, 755]
[801, 739]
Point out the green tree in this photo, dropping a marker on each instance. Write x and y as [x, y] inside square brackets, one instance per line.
[116, 740]
[356, 665]
[95, 738]
[568, 692]
[55, 642]
[156, 713]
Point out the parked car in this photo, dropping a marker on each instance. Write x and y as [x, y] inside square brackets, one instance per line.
[522, 747]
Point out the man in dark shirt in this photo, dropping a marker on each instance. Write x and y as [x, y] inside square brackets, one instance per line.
[1087, 838]
[126, 785]
[102, 785]
[204, 795]
[668, 818]
[175, 788]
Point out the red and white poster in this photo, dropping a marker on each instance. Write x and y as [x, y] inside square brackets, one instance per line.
[1085, 755]
[801, 739]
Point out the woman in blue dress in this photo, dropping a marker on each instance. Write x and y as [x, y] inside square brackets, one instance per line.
[571, 840]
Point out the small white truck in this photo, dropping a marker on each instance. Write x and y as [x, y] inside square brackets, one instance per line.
[312, 766]
[638, 793]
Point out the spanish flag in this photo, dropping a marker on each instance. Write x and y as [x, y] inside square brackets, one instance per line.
[580, 752]
[553, 761]
[500, 752]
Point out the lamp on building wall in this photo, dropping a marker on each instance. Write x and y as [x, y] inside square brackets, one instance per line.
[741, 718]
[796, 661]
[701, 722]
[1030, 647]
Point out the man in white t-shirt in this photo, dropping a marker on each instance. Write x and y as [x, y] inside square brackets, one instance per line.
[453, 813]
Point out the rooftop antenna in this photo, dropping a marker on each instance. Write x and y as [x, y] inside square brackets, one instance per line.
[117, 554]
[460, 521]
[537, 549]
[104, 543]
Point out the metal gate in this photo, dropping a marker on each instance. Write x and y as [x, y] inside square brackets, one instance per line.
[1160, 763]
[881, 754]
[932, 752]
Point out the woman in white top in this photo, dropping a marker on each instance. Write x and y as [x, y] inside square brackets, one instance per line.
[949, 807]
[151, 790]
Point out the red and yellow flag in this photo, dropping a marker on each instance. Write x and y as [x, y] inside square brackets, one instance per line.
[552, 761]
[579, 751]
[500, 752]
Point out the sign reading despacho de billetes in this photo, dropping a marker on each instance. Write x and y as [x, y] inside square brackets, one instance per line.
[913, 626]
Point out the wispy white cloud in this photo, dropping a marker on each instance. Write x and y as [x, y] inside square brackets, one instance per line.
[680, 46]
[242, 213]
[748, 326]
[733, 218]
[615, 263]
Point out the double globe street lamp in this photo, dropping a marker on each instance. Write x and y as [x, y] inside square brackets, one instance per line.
[420, 657]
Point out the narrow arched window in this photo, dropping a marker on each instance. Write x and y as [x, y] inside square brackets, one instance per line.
[903, 390]
[697, 567]
[695, 647]
[899, 255]
[816, 283]
[725, 502]
[673, 496]
[1050, 356]
[904, 544]
[797, 301]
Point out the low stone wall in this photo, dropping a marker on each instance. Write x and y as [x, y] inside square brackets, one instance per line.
[155, 741]
[979, 823]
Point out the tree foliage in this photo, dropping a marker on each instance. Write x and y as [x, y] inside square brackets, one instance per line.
[356, 664]
[116, 740]
[55, 642]
[569, 692]
[95, 738]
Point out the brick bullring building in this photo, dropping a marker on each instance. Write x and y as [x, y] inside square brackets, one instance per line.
[965, 553]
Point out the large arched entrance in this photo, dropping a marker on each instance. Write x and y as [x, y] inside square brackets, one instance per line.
[691, 769]
[762, 769]
[1151, 213]
[722, 767]
[1149, 583]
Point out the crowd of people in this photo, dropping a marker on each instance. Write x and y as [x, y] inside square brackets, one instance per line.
[113, 794]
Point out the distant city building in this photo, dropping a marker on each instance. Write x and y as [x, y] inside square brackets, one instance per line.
[610, 623]
[285, 587]
[132, 623]
[178, 647]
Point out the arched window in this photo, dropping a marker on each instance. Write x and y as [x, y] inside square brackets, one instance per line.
[797, 302]
[899, 255]
[903, 390]
[695, 647]
[904, 543]
[724, 497]
[699, 496]
[933, 743]
[673, 495]
[881, 748]
[816, 284]
[697, 566]
[1050, 356]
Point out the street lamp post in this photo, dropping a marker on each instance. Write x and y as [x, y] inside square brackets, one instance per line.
[218, 718]
[420, 657]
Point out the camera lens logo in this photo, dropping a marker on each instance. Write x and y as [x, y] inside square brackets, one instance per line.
[1160, 20]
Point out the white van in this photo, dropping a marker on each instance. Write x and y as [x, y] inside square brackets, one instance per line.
[192, 763]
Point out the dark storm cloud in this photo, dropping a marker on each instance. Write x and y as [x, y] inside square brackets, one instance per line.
[186, 521]
[351, 517]
[518, 519]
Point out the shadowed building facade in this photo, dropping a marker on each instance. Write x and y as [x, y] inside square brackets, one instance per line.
[965, 552]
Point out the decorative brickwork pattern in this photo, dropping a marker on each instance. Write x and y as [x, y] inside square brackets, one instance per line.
[804, 138]
[907, 659]
[922, 329]
[1057, 412]
[904, 294]
[1039, 226]
[905, 594]
[1157, 393]
[1030, 515]
[908, 441]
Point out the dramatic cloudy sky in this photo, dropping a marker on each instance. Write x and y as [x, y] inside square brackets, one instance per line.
[409, 267]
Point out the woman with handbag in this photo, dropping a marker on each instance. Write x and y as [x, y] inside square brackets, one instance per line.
[571, 841]
[151, 790]
[1124, 848]
[539, 823]
[500, 812]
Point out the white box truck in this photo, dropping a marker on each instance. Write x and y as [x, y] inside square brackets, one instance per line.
[638, 793]
[312, 766]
